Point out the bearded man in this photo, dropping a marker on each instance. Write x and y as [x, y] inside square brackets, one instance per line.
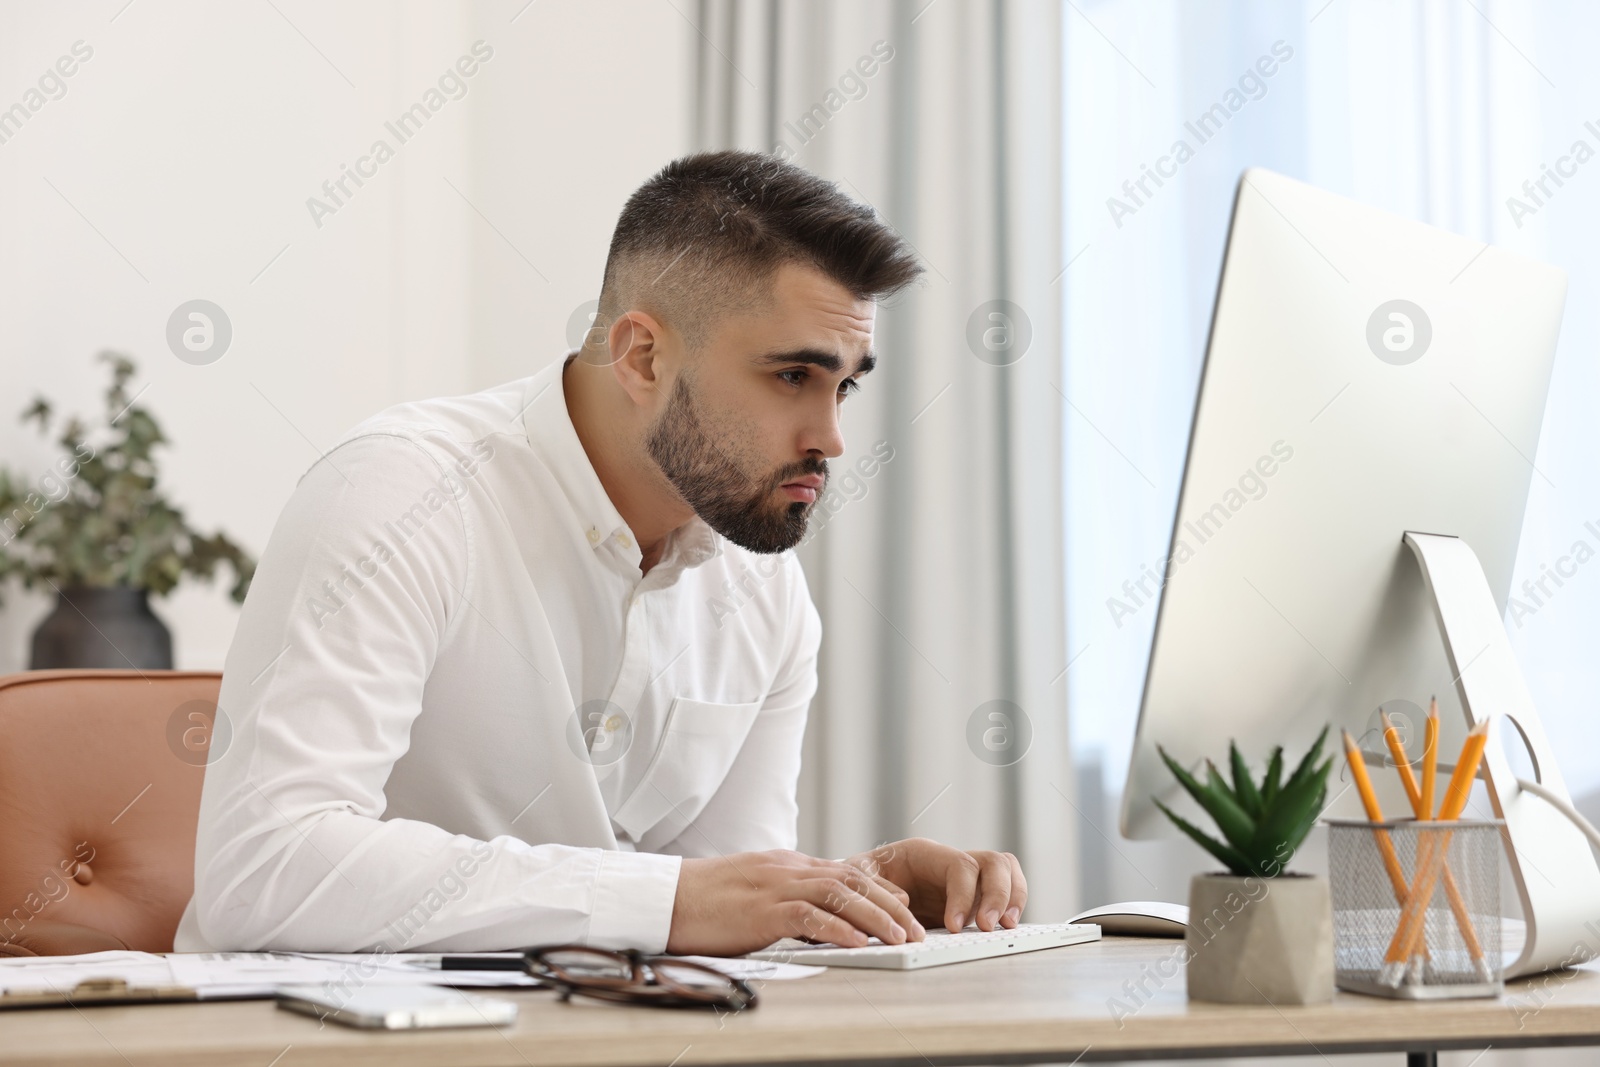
[482, 694]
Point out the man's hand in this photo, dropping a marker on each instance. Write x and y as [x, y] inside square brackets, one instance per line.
[739, 903]
[946, 885]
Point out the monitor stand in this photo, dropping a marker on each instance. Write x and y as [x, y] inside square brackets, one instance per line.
[1555, 872]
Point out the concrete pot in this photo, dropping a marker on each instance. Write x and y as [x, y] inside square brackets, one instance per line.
[1260, 940]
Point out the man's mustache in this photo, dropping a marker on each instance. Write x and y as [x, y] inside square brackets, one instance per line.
[810, 465]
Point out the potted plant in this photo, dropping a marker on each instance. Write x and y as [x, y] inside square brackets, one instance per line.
[97, 531]
[1258, 933]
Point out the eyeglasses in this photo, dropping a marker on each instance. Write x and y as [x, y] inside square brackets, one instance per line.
[628, 976]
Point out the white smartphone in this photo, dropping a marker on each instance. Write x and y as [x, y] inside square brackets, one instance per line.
[397, 1007]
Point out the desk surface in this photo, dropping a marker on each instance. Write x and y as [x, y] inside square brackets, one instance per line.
[1049, 1006]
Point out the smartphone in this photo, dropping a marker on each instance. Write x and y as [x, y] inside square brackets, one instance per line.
[397, 1007]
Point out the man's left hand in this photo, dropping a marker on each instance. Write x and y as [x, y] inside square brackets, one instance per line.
[949, 886]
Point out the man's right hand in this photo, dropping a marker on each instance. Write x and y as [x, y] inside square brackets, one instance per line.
[730, 905]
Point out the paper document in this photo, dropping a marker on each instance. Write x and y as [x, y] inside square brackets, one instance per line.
[251, 974]
[236, 974]
[751, 970]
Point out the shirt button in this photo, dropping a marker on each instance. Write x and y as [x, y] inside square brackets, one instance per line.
[622, 539]
[594, 536]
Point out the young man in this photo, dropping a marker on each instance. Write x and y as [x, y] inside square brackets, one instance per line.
[484, 693]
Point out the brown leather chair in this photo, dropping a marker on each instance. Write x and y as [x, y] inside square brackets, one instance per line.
[100, 775]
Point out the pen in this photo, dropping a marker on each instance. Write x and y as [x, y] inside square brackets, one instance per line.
[471, 963]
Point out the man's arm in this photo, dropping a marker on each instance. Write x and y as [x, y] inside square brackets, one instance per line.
[292, 851]
[755, 809]
[742, 886]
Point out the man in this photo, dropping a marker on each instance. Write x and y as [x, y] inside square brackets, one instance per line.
[480, 696]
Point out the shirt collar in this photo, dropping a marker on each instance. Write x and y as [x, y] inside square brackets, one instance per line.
[548, 425]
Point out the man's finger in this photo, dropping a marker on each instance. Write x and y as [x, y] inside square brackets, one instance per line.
[849, 904]
[819, 925]
[994, 888]
[899, 906]
[1019, 893]
[895, 891]
[875, 862]
[887, 896]
[960, 891]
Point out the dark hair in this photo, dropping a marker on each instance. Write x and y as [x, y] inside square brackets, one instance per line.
[706, 233]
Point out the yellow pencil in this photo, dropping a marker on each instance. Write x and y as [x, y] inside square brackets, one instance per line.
[1422, 809]
[1369, 801]
[1430, 758]
[1402, 763]
[1414, 912]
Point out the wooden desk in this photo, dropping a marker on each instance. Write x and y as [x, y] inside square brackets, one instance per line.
[1051, 1006]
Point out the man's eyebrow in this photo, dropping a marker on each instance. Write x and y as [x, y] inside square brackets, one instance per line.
[818, 358]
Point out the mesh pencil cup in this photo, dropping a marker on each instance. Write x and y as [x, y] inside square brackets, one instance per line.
[1416, 907]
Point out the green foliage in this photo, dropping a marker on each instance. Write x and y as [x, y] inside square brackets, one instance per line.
[1261, 825]
[97, 519]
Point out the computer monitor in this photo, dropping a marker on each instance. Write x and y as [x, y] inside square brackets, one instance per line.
[1366, 376]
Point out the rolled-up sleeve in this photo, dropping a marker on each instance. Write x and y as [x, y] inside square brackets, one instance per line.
[358, 588]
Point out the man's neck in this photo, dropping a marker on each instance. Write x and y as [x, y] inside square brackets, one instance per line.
[606, 424]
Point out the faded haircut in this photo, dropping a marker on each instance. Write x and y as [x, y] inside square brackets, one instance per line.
[704, 236]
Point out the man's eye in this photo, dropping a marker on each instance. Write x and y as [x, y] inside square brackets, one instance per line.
[798, 378]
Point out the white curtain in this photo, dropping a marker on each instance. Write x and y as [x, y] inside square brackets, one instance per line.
[942, 708]
[1435, 111]
[1432, 111]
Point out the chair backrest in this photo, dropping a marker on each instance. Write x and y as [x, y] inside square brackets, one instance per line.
[100, 775]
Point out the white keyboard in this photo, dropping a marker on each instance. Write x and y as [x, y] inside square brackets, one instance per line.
[939, 947]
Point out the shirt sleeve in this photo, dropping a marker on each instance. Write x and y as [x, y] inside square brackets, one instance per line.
[755, 808]
[361, 582]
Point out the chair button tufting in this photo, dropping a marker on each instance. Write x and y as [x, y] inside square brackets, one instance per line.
[83, 875]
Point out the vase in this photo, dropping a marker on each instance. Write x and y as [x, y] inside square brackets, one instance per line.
[102, 627]
[1260, 940]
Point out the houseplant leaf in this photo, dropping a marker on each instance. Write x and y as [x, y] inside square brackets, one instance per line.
[1309, 762]
[98, 518]
[1235, 825]
[1292, 816]
[1243, 786]
[1273, 779]
[1231, 858]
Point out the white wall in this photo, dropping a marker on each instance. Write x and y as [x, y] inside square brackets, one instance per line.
[178, 163]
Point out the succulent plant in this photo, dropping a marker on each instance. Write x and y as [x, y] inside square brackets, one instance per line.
[1263, 824]
[103, 522]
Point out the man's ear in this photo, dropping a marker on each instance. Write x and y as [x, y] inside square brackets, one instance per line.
[636, 343]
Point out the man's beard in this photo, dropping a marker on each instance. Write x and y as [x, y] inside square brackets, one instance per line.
[733, 502]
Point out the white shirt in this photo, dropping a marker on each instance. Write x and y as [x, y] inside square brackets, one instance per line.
[462, 720]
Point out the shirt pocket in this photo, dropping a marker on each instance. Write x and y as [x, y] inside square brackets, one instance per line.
[697, 748]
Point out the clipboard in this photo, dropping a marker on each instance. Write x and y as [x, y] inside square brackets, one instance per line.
[96, 991]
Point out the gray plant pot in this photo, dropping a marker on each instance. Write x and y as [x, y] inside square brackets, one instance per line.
[102, 627]
[1260, 940]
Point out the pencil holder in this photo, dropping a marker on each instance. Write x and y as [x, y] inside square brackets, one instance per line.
[1416, 908]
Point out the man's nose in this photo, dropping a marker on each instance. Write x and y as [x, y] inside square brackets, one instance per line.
[823, 435]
